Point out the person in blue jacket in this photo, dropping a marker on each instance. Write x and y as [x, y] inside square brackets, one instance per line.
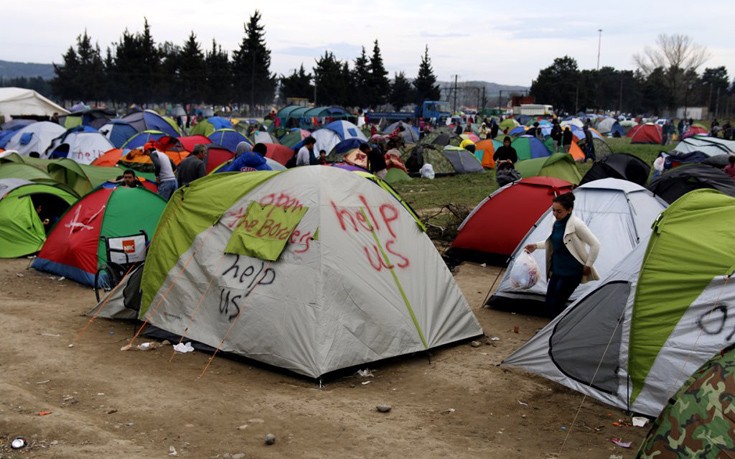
[249, 161]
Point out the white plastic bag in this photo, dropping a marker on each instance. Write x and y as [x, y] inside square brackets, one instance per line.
[525, 272]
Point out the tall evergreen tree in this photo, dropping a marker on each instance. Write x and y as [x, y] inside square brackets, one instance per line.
[190, 76]
[558, 85]
[170, 55]
[137, 64]
[401, 91]
[298, 84]
[378, 83]
[425, 82]
[330, 79]
[82, 75]
[359, 82]
[217, 80]
[253, 81]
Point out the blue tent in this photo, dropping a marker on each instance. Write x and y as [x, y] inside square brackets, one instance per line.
[118, 132]
[345, 130]
[149, 120]
[228, 138]
[10, 128]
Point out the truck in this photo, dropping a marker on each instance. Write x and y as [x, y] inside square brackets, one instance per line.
[534, 110]
[430, 110]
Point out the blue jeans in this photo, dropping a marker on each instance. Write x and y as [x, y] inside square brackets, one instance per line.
[167, 188]
[558, 291]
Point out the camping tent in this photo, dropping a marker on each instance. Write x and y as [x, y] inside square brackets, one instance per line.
[498, 223]
[676, 182]
[22, 231]
[189, 142]
[148, 120]
[657, 316]
[279, 153]
[228, 138]
[710, 146]
[35, 137]
[81, 178]
[485, 150]
[141, 138]
[396, 175]
[24, 171]
[117, 132]
[208, 126]
[559, 165]
[82, 144]
[695, 130]
[75, 248]
[409, 134]
[417, 157]
[610, 126]
[646, 133]
[462, 160]
[335, 132]
[91, 117]
[346, 277]
[620, 165]
[16, 102]
[528, 147]
[618, 212]
[697, 421]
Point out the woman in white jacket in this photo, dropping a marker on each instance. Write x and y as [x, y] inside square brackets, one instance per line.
[571, 251]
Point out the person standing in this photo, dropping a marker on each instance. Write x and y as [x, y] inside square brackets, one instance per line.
[305, 156]
[164, 169]
[566, 139]
[556, 134]
[192, 167]
[375, 160]
[571, 251]
[589, 144]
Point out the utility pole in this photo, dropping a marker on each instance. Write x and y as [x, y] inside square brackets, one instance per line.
[620, 99]
[484, 100]
[599, 45]
[717, 103]
[454, 108]
[500, 98]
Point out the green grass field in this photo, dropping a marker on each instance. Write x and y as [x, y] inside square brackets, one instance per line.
[461, 193]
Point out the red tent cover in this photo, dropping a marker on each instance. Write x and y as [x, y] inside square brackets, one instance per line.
[498, 224]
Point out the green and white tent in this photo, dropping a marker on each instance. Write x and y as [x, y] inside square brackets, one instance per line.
[21, 228]
[312, 269]
[660, 314]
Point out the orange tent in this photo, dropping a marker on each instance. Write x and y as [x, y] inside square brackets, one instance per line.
[576, 152]
[488, 151]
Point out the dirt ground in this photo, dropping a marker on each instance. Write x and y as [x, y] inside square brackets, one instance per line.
[106, 403]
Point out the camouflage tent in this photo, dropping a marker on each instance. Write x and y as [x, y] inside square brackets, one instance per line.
[699, 421]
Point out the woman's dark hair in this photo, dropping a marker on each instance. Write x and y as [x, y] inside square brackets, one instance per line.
[566, 200]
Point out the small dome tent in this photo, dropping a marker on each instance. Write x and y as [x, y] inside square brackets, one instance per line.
[618, 212]
[344, 277]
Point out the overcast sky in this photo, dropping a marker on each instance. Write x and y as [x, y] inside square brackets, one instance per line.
[501, 42]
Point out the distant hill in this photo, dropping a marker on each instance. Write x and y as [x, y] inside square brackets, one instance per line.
[25, 69]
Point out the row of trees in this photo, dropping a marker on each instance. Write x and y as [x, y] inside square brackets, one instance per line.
[667, 78]
[137, 70]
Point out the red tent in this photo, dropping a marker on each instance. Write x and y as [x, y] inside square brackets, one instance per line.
[498, 224]
[189, 142]
[646, 133]
[217, 155]
[278, 152]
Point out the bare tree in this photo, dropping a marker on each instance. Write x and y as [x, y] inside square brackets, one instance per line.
[679, 57]
[675, 51]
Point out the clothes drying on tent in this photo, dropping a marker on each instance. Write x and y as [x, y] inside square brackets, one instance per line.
[22, 228]
[654, 319]
[673, 184]
[618, 212]
[74, 247]
[621, 166]
[498, 223]
[345, 278]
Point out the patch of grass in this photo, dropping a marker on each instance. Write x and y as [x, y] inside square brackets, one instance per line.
[469, 189]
